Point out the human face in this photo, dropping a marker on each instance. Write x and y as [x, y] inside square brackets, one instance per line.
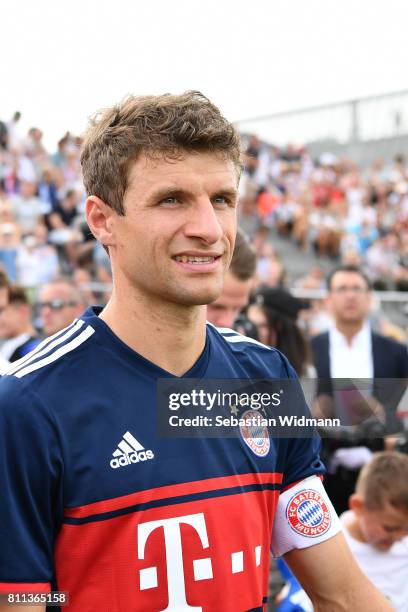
[382, 528]
[234, 297]
[13, 320]
[349, 298]
[177, 236]
[257, 316]
[58, 307]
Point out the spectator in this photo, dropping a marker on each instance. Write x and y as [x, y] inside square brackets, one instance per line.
[350, 350]
[251, 155]
[237, 285]
[28, 209]
[13, 134]
[37, 261]
[9, 243]
[64, 231]
[376, 526]
[59, 303]
[16, 327]
[48, 188]
[383, 260]
[274, 313]
[285, 214]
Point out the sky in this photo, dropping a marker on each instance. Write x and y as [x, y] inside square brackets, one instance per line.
[60, 61]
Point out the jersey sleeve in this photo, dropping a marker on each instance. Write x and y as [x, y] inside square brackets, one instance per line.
[302, 454]
[31, 503]
[304, 514]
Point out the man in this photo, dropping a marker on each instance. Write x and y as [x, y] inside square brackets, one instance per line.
[108, 511]
[28, 209]
[224, 311]
[351, 350]
[16, 326]
[59, 303]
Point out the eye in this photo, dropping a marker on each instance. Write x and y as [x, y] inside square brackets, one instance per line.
[169, 201]
[222, 200]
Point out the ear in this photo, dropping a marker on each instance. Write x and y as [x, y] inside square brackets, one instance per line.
[100, 218]
[356, 503]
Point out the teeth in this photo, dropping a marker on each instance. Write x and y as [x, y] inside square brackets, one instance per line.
[194, 260]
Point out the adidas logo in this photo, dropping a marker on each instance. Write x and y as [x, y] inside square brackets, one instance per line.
[129, 451]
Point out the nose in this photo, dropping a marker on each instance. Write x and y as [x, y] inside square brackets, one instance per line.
[46, 311]
[203, 222]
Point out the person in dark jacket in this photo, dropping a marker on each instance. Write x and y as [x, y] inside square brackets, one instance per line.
[352, 351]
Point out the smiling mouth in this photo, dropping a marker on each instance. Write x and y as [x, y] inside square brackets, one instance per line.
[195, 260]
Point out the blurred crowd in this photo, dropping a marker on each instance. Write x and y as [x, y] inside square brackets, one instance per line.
[330, 206]
[43, 233]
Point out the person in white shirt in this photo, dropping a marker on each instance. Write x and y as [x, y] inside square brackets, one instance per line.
[376, 526]
[352, 362]
[28, 208]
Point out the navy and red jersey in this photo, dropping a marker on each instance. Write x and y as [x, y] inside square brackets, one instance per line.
[94, 503]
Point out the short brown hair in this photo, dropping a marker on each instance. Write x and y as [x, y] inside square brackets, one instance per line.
[384, 480]
[243, 262]
[158, 126]
[17, 295]
[347, 268]
[4, 281]
[73, 287]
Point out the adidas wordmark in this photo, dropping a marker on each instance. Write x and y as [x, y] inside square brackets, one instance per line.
[129, 451]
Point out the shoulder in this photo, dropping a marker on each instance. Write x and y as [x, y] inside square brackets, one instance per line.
[251, 353]
[319, 339]
[54, 355]
[389, 344]
[21, 409]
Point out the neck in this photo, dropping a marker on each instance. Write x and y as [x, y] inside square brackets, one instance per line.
[349, 329]
[171, 336]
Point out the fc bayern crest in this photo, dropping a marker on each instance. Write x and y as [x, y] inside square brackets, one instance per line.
[254, 435]
[308, 513]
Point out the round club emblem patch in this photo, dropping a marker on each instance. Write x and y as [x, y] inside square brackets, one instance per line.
[308, 514]
[255, 435]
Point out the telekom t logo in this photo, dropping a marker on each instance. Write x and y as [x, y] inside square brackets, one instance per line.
[174, 559]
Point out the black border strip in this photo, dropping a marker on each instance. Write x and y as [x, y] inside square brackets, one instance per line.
[157, 503]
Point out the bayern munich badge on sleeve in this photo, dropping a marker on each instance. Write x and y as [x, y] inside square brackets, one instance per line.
[308, 513]
[255, 435]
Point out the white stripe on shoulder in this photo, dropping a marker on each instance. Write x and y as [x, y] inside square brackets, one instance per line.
[240, 338]
[222, 330]
[63, 350]
[46, 345]
[226, 330]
